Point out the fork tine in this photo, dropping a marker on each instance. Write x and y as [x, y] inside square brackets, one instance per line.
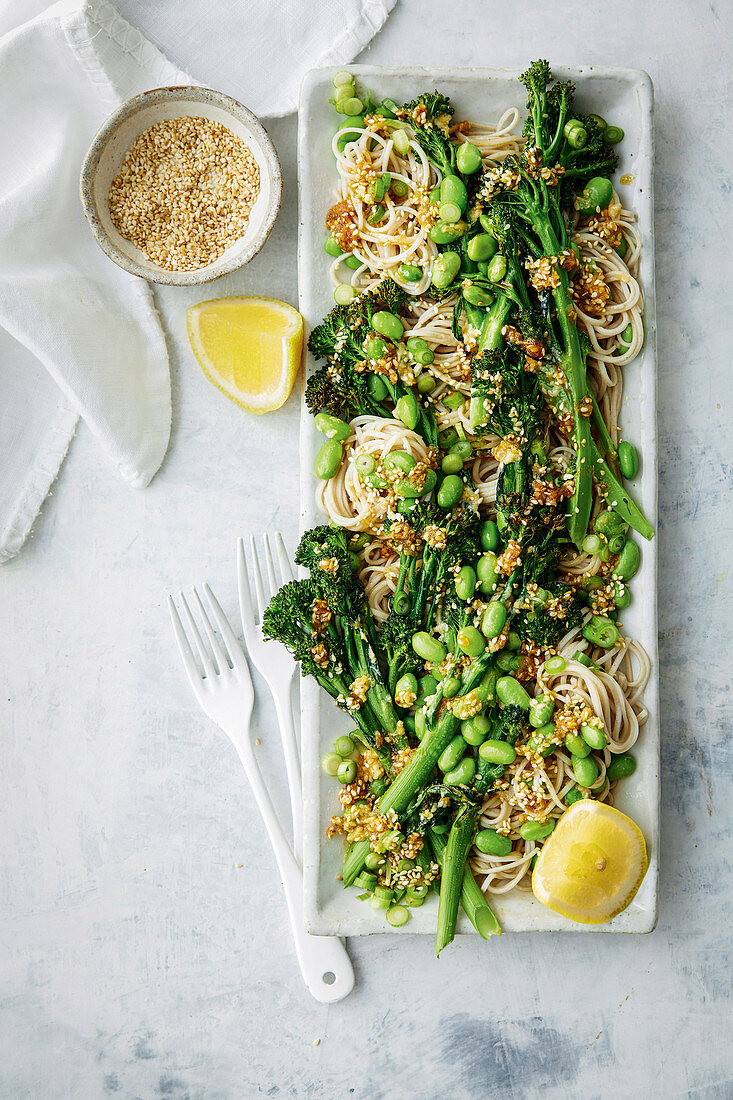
[234, 649]
[286, 569]
[206, 661]
[257, 576]
[219, 651]
[189, 661]
[270, 564]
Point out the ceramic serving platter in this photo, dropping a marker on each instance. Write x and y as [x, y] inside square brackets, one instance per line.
[625, 96]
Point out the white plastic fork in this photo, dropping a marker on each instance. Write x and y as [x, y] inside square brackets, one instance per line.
[224, 691]
[271, 659]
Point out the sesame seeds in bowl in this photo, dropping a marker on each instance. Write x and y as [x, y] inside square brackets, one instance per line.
[181, 185]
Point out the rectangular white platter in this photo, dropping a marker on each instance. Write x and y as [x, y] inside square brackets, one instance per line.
[625, 97]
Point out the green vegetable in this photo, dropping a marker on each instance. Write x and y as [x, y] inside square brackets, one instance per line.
[482, 247]
[511, 693]
[585, 770]
[328, 459]
[468, 158]
[450, 491]
[493, 619]
[427, 647]
[536, 830]
[332, 427]
[596, 195]
[452, 753]
[388, 325]
[331, 763]
[541, 710]
[346, 772]
[555, 665]
[343, 294]
[612, 135]
[628, 459]
[600, 631]
[344, 745]
[492, 843]
[410, 273]
[474, 730]
[462, 774]
[444, 270]
[397, 916]
[497, 752]
[620, 767]
[489, 535]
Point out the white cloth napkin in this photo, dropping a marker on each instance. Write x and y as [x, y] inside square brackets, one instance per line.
[78, 336]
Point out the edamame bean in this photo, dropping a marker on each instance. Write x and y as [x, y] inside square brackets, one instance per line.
[451, 464]
[450, 491]
[434, 195]
[420, 725]
[496, 269]
[332, 247]
[426, 383]
[612, 135]
[468, 158]
[628, 459]
[420, 350]
[406, 684]
[536, 830]
[621, 595]
[620, 767]
[593, 736]
[331, 763]
[408, 411]
[511, 693]
[399, 460]
[462, 774]
[452, 753]
[451, 687]
[409, 491]
[585, 770]
[507, 662]
[600, 631]
[447, 437]
[475, 730]
[331, 426]
[572, 796]
[346, 772]
[541, 741]
[628, 561]
[576, 745]
[541, 710]
[492, 843]
[328, 459]
[444, 270]
[452, 189]
[409, 274]
[487, 572]
[443, 233]
[489, 535]
[463, 449]
[482, 247]
[476, 296]
[343, 294]
[555, 665]
[596, 195]
[493, 619]
[450, 212]
[465, 583]
[497, 752]
[427, 647]
[624, 340]
[471, 641]
[376, 348]
[389, 325]
[428, 684]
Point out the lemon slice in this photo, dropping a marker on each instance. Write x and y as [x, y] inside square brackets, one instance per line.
[592, 865]
[250, 348]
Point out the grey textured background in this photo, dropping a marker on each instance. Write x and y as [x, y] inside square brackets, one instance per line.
[137, 958]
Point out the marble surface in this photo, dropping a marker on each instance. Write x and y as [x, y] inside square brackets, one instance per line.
[143, 939]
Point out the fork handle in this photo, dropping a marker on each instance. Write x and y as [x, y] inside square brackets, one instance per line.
[324, 963]
[284, 711]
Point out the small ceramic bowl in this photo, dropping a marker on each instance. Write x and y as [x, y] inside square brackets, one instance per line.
[104, 160]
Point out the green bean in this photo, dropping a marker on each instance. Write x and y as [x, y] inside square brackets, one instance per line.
[511, 693]
[346, 772]
[420, 350]
[344, 745]
[444, 270]
[328, 459]
[585, 770]
[331, 426]
[474, 730]
[620, 767]
[507, 662]
[462, 774]
[465, 583]
[489, 535]
[536, 830]
[497, 269]
[409, 273]
[443, 233]
[452, 753]
[493, 619]
[612, 135]
[476, 296]
[600, 631]
[628, 561]
[492, 843]
[628, 459]
[389, 325]
[596, 195]
[426, 383]
[541, 710]
[482, 247]
[576, 745]
[555, 665]
[471, 641]
[332, 247]
[427, 647]
[593, 736]
[331, 763]
[450, 491]
[452, 189]
[573, 795]
[468, 158]
[408, 411]
[399, 460]
[449, 212]
[343, 294]
[497, 752]
[487, 571]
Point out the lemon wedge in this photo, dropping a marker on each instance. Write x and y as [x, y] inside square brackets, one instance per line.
[250, 348]
[590, 868]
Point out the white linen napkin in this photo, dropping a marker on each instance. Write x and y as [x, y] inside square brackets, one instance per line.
[78, 336]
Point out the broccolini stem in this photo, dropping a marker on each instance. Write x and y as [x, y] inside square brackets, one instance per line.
[456, 852]
[474, 904]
